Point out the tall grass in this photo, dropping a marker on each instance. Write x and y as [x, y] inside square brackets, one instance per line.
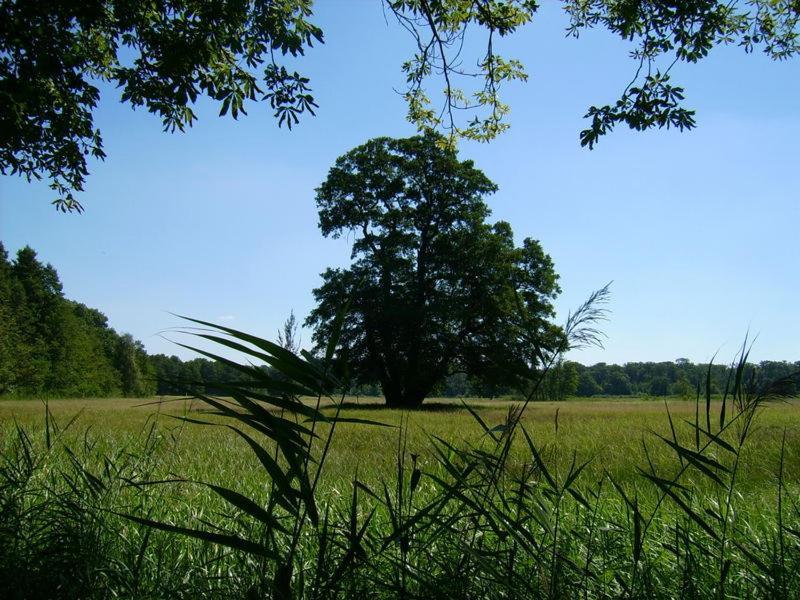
[471, 523]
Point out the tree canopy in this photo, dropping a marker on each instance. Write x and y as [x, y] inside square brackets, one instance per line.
[433, 288]
[165, 55]
[661, 35]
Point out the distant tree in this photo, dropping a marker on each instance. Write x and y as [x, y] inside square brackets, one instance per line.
[479, 387]
[131, 375]
[135, 371]
[456, 385]
[587, 386]
[365, 389]
[10, 343]
[568, 380]
[617, 382]
[560, 382]
[174, 377]
[81, 364]
[659, 386]
[666, 378]
[773, 370]
[433, 288]
[683, 388]
[38, 320]
[169, 374]
[50, 345]
[599, 372]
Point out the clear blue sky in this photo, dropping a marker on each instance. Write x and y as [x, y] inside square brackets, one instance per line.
[698, 230]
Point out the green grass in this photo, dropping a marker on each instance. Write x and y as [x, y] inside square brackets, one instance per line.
[610, 432]
[437, 512]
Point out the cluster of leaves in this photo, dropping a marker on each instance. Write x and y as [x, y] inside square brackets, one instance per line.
[163, 55]
[56, 347]
[666, 33]
[439, 29]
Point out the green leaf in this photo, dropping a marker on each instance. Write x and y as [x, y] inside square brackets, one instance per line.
[247, 506]
[223, 539]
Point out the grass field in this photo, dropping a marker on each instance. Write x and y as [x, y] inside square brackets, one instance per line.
[610, 432]
[119, 442]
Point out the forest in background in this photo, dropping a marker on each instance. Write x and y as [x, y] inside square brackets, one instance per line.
[51, 346]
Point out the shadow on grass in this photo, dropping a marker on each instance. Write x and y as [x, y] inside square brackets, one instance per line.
[444, 407]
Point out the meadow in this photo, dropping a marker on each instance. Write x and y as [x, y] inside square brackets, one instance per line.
[609, 433]
[438, 510]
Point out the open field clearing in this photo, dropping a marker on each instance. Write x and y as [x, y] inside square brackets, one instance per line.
[609, 432]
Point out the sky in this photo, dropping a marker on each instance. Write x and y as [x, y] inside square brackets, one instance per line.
[697, 230]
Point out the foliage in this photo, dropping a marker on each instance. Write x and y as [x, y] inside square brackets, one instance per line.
[288, 337]
[666, 33]
[617, 383]
[663, 34]
[560, 383]
[51, 346]
[434, 289]
[176, 377]
[164, 56]
[634, 379]
[438, 28]
[131, 360]
[56, 347]
[587, 386]
[679, 378]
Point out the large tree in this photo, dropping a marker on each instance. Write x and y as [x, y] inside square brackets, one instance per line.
[433, 288]
[165, 54]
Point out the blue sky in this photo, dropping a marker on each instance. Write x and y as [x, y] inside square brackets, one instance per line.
[698, 230]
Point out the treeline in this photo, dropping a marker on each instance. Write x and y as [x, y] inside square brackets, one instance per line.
[567, 380]
[176, 377]
[52, 346]
[657, 379]
[641, 379]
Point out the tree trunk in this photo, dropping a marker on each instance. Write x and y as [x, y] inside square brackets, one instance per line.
[396, 397]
